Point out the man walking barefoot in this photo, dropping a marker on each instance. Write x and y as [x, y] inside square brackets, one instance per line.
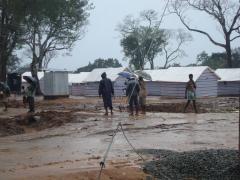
[190, 93]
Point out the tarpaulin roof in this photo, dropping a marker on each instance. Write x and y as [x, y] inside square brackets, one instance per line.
[177, 74]
[95, 75]
[230, 74]
[77, 78]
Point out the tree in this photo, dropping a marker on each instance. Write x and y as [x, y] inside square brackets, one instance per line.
[53, 26]
[13, 63]
[172, 48]
[142, 39]
[12, 13]
[218, 60]
[100, 63]
[225, 13]
[24, 68]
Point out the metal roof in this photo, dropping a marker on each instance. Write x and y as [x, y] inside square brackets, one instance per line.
[230, 74]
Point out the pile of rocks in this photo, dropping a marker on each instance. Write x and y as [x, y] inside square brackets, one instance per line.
[202, 164]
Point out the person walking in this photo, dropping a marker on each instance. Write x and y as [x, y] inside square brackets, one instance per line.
[190, 93]
[142, 94]
[106, 90]
[132, 92]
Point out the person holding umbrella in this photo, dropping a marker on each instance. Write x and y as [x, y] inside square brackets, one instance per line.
[132, 92]
[30, 92]
[106, 91]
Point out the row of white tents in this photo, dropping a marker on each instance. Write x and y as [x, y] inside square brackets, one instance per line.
[169, 82]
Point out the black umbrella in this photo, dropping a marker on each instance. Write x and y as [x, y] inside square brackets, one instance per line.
[30, 80]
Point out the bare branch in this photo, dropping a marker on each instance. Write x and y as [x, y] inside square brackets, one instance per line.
[236, 37]
[236, 17]
[181, 17]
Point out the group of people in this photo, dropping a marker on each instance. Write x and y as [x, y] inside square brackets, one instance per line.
[136, 92]
[28, 96]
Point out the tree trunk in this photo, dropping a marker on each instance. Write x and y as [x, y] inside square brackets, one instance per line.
[3, 68]
[229, 52]
[34, 72]
[3, 63]
[152, 64]
[165, 65]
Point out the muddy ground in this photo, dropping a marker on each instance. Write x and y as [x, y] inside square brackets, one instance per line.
[67, 138]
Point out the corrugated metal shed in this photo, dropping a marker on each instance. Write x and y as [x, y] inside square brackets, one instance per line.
[229, 85]
[56, 84]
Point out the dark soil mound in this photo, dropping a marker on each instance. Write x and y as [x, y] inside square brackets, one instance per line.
[10, 127]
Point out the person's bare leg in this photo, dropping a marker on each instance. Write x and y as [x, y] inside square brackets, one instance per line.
[194, 106]
[111, 108]
[186, 106]
[106, 111]
[6, 106]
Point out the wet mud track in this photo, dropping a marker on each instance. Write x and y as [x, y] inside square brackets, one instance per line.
[77, 146]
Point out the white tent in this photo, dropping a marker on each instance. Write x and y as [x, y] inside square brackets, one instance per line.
[76, 85]
[172, 81]
[77, 78]
[229, 84]
[93, 78]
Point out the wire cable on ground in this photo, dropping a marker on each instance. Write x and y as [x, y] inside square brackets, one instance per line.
[119, 128]
[102, 163]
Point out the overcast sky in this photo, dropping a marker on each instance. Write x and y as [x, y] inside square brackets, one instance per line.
[102, 40]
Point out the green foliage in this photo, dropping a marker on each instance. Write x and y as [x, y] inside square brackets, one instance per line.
[12, 13]
[54, 25]
[142, 39]
[24, 68]
[13, 63]
[100, 63]
[218, 60]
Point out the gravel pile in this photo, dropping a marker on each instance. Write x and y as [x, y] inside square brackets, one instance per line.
[199, 165]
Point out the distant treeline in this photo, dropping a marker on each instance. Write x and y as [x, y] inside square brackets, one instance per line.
[99, 63]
